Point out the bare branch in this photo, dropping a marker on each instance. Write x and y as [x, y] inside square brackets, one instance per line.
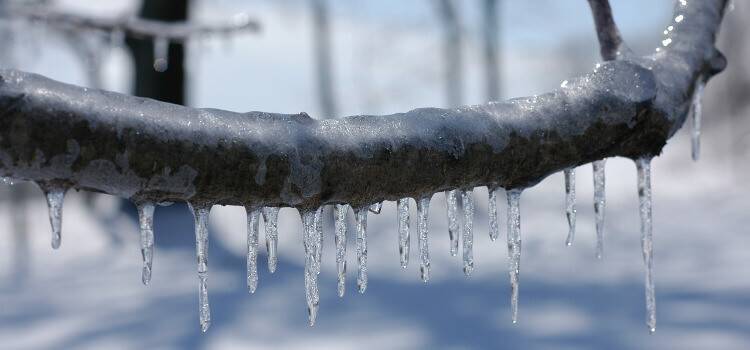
[610, 41]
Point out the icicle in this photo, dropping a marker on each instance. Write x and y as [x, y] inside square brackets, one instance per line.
[599, 203]
[361, 215]
[200, 213]
[643, 166]
[697, 109]
[319, 236]
[376, 208]
[55, 195]
[340, 239]
[271, 219]
[514, 248]
[468, 235]
[451, 199]
[403, 231]
[161, 54]
[253, 219]
[570, 204]
[146, 221]
[494, 227]
[310, 242]
[423, 210]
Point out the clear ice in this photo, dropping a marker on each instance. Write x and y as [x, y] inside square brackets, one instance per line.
[494, 226]
[146, 223]
[55, 195]
[403, 231]
[271, 223]
[253, 220]
[451, 199]
[361, 216]
[697, 109]
[599, 203]
[312, 266]
[423, 210]
[643, 165]
[514, 248]
[200, 213]
[376, 208]
[467, 198]
[340, 239]
[570, 204]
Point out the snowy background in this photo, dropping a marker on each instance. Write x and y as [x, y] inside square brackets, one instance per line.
[88, 294]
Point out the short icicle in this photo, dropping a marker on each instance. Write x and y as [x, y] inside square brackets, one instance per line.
[403, 231]
[161, 54]
[643, 165]
[312, 266]
[146, 223]
[271, 223]
[451, 202]
[200, 213]
[494, 225]
[570, 204]
[423, 210]
[340, 239]
[253, 220]
[514, 248]
[599, 204]
[376, 208]
[467, 198]
[54, 194]
[361, 216]
[697, 112]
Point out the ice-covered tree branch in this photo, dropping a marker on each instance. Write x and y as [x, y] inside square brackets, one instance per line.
[144, 149]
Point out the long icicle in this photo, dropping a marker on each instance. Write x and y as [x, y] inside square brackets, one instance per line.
[492, 208]
[271, 223]
[340, 240]
[467, 198]
[423, 215]
[361, 216]
[643, 165]
[253, 219]
[319, 236]
[403, 231]
[310, 241]
[514, 248]
[55, 194]
[146, 223]
[451, 202]
[570, 204]
[599, 204]
[200, 213]
[697, 112]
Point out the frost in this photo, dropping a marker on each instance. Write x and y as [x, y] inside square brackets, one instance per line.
[55, 195]
[697, 109]
[423, 209]
[451, 199]
[253, 219]
[468, 235]
[200, 213]
[494, 227]
[361, 216]
[403, 231]
[514, 248]
[599, 203]
[570, 204]
[271, 220]
[340, 240]
[643, 165]
[146, 223]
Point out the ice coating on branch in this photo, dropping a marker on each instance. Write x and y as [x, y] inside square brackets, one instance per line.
[403, 231]
[146, 223]
[376, 208]
[514, 248]
[423, 210]
[570, 204]
[643, 166]
[253, 220]
[161, 54]
[271, 223]
[361, 217]
[451, 201]
[340, 240]
[467, 198]
[312, 266]
[697, 113]
[599, 204]
[494, 226]
[200, 213]
[54, 194]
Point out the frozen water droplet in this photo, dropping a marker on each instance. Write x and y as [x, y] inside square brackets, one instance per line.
[697, 109]
[494, 225]
[468, 234]
[599, 204]
[271, 219]
[376, 208]
[423, 210]
[146, 223]
[643, 165]
[340, 239]
[451, 199]
[253, 220]
[570, 204]
[54, 194]
[514, 248]
[311, 242]
[361, 216]
[200, 213]
[161, 54]
[403, 231]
